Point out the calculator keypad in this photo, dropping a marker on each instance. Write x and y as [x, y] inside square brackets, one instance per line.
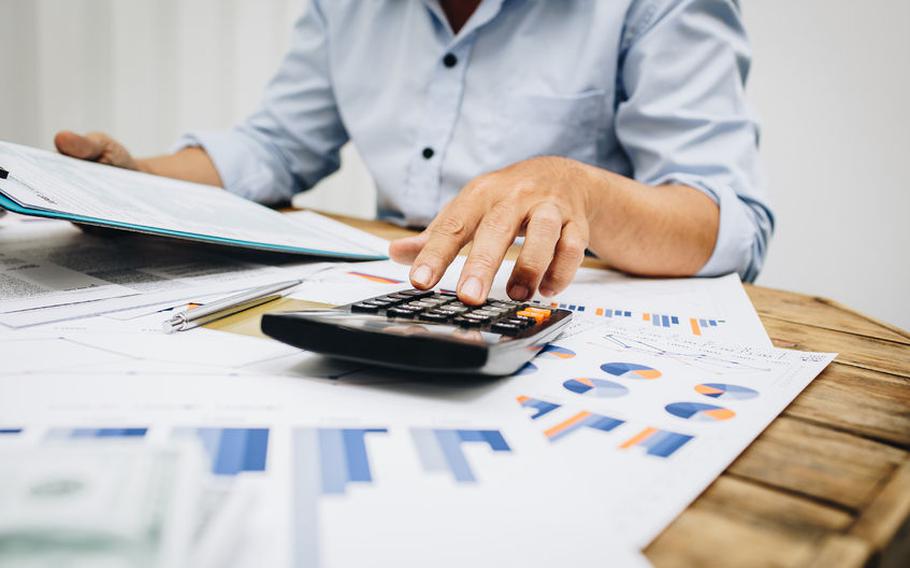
[499, 316]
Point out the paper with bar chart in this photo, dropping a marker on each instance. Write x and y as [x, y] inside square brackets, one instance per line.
[664, 415]
[375, 469]
[715, 308]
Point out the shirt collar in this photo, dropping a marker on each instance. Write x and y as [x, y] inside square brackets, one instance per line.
[485, 12]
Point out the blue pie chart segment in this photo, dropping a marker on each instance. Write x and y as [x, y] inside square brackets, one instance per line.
[597, 388]
[631, 371]
[723, 390]
[700, 412]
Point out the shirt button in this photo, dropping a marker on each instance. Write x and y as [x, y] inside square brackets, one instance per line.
[450, 60]
[428, 153]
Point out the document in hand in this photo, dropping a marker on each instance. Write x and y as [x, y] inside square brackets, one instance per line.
[44, 184]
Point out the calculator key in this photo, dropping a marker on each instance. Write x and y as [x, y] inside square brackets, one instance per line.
[522, 321]
[506, 328]
[536, 314]
[477, 317]
[364, 307]
[401, 312]
[485, 313]
[431, 316]
[452, 309]
[414, 293]
[463, 321]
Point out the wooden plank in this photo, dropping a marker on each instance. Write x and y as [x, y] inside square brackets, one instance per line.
[738, 523]
[841, 552]
[875, 354]
[871, 404]
[807, 459]
[819, 312]
[738, 499]
[706, 539]
[889, 513]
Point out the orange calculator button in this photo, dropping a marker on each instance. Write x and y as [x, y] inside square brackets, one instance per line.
[539, 315]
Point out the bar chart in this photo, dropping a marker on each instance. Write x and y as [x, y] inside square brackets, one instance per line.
[107, 432]
[659, 443]
[440, 450]
[541, 407]
[232, 450]
[580, 420]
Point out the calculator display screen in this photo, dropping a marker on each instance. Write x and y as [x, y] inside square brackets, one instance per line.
[408, 328]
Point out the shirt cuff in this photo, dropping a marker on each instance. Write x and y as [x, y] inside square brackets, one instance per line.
[240, 170]
[736, 233]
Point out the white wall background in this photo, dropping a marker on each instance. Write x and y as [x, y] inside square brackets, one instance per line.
[831, 82]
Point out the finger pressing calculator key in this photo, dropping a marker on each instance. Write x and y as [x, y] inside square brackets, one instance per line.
[424, 331]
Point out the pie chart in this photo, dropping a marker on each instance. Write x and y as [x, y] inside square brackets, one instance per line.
[556, 352]
[597, 388]
[700, 412]
[527, 369]
[631, 371]
[721, 390]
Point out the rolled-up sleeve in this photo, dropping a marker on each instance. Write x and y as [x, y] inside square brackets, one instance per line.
[293, 139]
[682, 118]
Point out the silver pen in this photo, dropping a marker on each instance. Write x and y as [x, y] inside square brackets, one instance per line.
[202, 315]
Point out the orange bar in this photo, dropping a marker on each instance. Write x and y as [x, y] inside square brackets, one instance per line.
[646, 317]
[567, 424]
[638, 438]
[599, 311]
[695, 329]
[521, 399]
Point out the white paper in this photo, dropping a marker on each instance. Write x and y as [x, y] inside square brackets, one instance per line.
[598, 297]
[501, 502]
[53, 182]
[62, 274]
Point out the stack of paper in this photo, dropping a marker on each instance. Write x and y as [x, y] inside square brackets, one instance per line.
[583, 457]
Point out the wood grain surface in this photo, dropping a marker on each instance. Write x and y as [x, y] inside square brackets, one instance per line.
[828, 483]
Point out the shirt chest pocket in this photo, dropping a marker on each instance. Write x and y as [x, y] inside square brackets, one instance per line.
[523, 126]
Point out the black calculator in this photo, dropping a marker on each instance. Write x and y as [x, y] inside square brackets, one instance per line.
[424, 330]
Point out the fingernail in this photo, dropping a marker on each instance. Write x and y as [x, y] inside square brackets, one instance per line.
[547, 292]
[472, 288]
[518, 292]
[421, 275]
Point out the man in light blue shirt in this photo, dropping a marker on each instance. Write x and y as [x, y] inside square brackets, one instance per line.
[616, 126]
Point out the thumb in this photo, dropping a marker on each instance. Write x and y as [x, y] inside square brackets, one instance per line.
[77, 146]
[404, 251]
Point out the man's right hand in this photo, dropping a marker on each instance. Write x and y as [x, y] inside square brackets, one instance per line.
[95, 147]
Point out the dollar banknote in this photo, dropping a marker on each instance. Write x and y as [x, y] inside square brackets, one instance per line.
[99, 505]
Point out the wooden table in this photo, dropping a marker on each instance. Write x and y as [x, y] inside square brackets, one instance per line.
[828, 483]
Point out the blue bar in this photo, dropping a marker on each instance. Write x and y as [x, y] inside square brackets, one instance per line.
[572, 307]
[495, 440]
[713, 323]
[10, 431]
[581, 308]
[257, 444]
[107, 432]
[608, 312]
[229, 459]
[665, 321]
[450, 443]
[667, 443]
[628, 314]
[356, 450]
[332, 461]
[563, 306]
[675, 320]
[655, 320]
[703, 323]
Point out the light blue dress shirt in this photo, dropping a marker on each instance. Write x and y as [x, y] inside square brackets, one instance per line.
[650, 89]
